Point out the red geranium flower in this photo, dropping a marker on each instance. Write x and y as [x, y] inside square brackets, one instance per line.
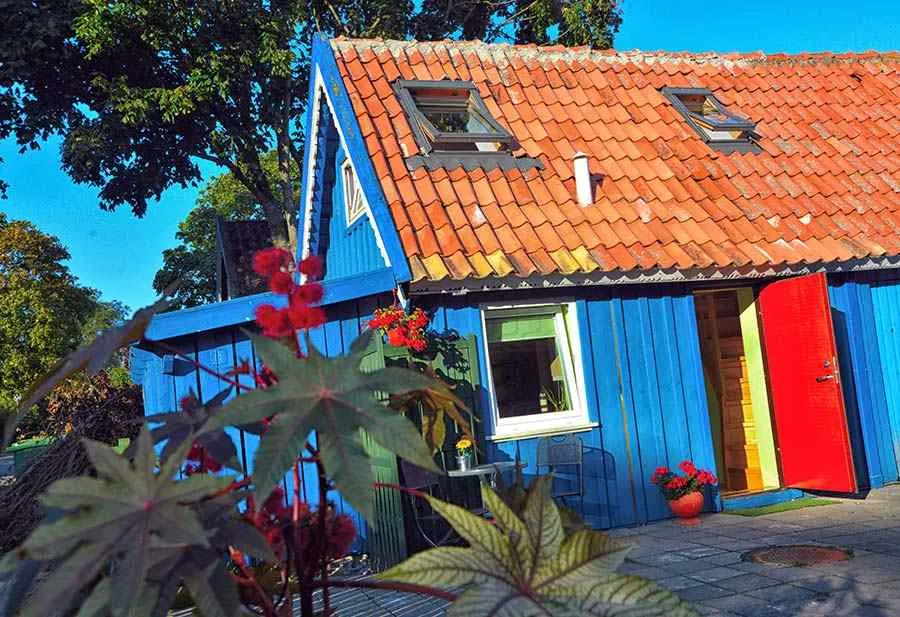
[398, 336]
[687, 467]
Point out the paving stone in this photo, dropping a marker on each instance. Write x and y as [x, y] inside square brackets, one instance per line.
[677, 583]
[747, 581]
[712, 575]
[704, 592]
[747, 606]
[785, 593]
[701, 551]
[724, 559]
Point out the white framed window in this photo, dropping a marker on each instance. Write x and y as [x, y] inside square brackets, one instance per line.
[534, 370]
[354, 204]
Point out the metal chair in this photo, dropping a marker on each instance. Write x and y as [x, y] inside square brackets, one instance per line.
[416, 478]
[562, 456]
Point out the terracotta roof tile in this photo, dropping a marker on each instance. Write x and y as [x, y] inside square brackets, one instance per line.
[825, 186]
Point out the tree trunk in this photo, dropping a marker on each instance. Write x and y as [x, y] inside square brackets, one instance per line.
[275, 216]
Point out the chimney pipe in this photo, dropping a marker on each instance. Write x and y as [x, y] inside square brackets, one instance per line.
[583, 188]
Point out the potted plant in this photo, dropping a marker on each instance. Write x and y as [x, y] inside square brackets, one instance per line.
[683, 492]
[464, 454]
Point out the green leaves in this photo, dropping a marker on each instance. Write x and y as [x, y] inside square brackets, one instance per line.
[148, 527]
[191, 422]
[524, 566]
[337, 399]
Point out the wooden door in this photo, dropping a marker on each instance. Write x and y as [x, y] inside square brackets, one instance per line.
[722, 345]
[805, 386]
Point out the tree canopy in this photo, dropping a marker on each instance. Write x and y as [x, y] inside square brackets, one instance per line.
[141, 90]
[44, 312]
[193, 262]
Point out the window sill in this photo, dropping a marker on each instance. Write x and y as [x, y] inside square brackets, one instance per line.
[549, 431]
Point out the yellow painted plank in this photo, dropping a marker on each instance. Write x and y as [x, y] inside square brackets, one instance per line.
[759, 394]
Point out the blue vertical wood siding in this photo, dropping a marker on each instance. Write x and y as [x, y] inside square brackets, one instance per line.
[886, 309]
[347, 251]
[854, 317]
[225, 348]
[644, 385]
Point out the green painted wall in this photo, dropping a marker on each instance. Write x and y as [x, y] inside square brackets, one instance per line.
[759, 395]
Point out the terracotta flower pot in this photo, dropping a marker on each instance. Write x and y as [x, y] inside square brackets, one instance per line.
[687, 506]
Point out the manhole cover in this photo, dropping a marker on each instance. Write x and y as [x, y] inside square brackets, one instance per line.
[797, 555]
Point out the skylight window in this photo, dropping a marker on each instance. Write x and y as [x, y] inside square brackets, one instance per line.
[720, 127]
[450, 116]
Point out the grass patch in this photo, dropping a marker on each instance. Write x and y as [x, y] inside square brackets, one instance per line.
[796, 504]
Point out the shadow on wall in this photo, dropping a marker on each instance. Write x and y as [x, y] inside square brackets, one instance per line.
[598, 469]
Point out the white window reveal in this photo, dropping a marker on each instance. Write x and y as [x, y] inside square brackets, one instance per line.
[354, 204]
[535, 374]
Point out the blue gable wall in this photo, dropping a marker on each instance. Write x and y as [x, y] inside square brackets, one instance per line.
[347, 252]
[222, 349]
[326, 77]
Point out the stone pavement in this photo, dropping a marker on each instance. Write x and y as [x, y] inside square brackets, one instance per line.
[703, 564]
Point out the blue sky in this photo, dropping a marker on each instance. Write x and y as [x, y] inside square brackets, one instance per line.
[119, 254]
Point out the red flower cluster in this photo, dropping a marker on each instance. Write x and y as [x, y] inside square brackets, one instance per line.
[199, 461]
[275, 515]
[271, 519]
[674, 486]
[277, 265]
[402, 329]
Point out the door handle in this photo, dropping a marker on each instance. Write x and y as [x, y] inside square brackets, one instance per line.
[823, 378]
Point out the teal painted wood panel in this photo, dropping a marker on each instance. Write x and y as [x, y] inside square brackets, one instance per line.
[886, 309]
[862, 381]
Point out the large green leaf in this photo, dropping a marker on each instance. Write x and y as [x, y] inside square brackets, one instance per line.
[335, 398]
[191, 421]
[524, 565]
[141, 522]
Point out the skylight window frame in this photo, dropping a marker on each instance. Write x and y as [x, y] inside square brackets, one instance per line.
[749, 143]
[429, 138]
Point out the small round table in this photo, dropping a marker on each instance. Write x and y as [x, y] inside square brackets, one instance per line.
[487, 472]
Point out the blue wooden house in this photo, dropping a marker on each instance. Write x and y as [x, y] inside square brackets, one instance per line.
[668, 256]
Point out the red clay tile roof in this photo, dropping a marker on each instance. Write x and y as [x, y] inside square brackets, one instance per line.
[825, 188]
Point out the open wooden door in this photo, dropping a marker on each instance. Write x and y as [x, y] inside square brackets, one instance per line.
[808, 405]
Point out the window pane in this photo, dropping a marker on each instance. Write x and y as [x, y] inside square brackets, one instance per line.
[526, 366]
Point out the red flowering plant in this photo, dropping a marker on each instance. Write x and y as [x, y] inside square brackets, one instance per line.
[402, 329]
[675, 486]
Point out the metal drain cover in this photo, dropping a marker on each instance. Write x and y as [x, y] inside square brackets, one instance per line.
[797, 555]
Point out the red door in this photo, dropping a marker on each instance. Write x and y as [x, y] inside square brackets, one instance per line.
[808, 406]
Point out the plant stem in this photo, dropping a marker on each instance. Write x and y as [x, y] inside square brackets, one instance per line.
[391, 586]
[323, 538]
